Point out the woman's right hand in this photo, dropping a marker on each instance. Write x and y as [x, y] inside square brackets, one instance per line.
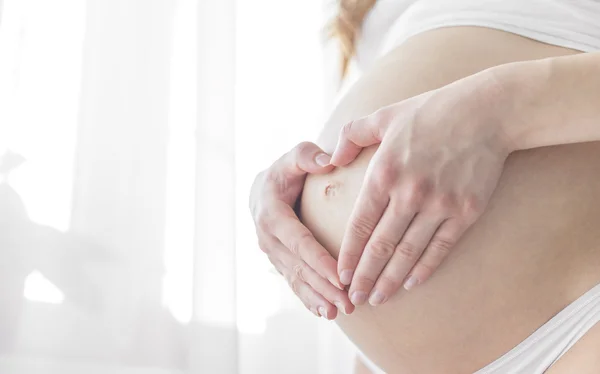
[308, 268]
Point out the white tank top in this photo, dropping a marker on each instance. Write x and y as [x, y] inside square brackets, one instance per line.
[572, 24]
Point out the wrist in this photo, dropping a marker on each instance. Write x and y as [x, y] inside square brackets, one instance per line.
[491, 100]
[515, 88]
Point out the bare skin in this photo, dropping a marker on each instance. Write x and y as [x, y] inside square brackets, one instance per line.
[533, 251]
[360, 367]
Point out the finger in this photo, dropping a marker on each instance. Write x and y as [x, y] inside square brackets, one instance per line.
[304, 158]
[299, 241]
[307, 295]
[312, 300]
[332, 294]
[321, 286]
[407, 253]
[438, 249]
[367, 212]
[380, 248]
[358, 134]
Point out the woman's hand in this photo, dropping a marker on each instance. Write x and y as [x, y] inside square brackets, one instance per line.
[439, 161]
[309, 269]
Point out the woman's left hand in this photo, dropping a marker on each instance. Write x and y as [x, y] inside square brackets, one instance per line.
[439, 161]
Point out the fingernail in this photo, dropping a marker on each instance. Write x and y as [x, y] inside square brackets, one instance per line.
[410, 283]
[340, 307]
[323, 311]
[346, 276]
[315, 312]
[376, 298]
[323, 159]
[358, 297]
[336, 283]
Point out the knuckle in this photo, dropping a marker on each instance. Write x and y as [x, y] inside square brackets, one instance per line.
[441, 246]
[415, 193]
[381, 249]
[380, 115]
[472, 208]
[445, 202]
[299, 271]
[273, 176]
[384, 174]
[364, 282]
[424, 269]
[303, 150]
[407, 251]
[360, 228]
[420, 185]
[389, 283]
[298, 242]
[295, 284]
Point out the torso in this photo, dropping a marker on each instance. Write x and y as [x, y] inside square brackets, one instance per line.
[534, 250]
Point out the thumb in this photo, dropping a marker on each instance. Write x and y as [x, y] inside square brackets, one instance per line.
[356, 135]
[305, 158]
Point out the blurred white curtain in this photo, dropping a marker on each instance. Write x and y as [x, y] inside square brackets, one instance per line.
[264, 79]
[285, 83]
[143, 123]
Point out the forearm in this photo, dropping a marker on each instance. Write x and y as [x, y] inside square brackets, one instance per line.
[551, 101]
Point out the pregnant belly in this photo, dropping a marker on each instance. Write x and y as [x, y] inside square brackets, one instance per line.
[531, 254]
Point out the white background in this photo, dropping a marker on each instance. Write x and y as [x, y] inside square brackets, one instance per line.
[143, 124]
